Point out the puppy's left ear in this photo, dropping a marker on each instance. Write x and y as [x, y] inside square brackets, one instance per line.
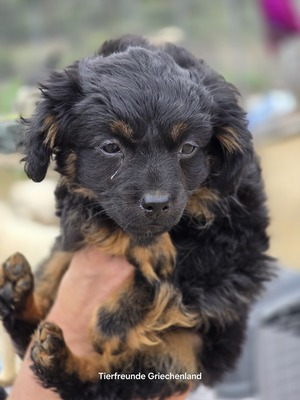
[231, 145]
[48, 129]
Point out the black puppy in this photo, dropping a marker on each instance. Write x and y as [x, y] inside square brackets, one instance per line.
[157, 165]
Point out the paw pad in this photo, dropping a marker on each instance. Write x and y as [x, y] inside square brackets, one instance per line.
[16, 282]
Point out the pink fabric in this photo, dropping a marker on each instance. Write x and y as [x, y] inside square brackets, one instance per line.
[282, 14]
[281, 19]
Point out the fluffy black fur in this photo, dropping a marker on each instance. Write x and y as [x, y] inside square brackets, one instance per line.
[180, 161]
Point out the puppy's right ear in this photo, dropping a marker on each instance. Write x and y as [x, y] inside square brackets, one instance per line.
[38, 144]
[47, 131]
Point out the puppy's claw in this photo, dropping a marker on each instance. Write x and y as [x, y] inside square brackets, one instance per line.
[49, 350]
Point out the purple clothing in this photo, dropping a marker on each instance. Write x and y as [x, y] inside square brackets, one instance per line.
[281, 18]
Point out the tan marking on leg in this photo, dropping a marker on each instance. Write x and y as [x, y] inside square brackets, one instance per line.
[50, 353]
[167, 311]
[87, 367]
[46, 287]
[162, 251]
[114, 243]
[143, 255]
[175, 353]
[182, 346]
[31, 312]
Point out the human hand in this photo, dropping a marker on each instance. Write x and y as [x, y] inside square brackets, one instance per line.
[90, 279]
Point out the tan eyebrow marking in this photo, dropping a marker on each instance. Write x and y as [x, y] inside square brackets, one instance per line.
[119, 126]
[178, 129]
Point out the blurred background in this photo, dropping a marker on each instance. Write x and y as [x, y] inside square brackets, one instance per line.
[255, 44]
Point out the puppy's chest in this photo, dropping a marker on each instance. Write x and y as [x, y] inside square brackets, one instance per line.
[155, 262]
[82, 226]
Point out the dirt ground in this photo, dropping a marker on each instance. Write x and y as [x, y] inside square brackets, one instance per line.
[280, 162]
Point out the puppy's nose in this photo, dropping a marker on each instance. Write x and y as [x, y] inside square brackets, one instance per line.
[155, 204]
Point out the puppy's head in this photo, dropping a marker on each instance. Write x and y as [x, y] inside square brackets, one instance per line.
[139, 132]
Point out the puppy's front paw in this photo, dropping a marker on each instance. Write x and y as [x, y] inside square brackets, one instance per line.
[49, 351]
[16, 283]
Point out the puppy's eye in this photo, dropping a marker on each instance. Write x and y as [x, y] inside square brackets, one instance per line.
[187, 150]
[110, 148]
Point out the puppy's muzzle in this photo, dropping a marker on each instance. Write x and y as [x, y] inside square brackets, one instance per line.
[155, 204]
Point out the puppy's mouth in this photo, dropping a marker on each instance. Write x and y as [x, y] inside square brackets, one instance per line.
[146, 235]
[151, 229]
